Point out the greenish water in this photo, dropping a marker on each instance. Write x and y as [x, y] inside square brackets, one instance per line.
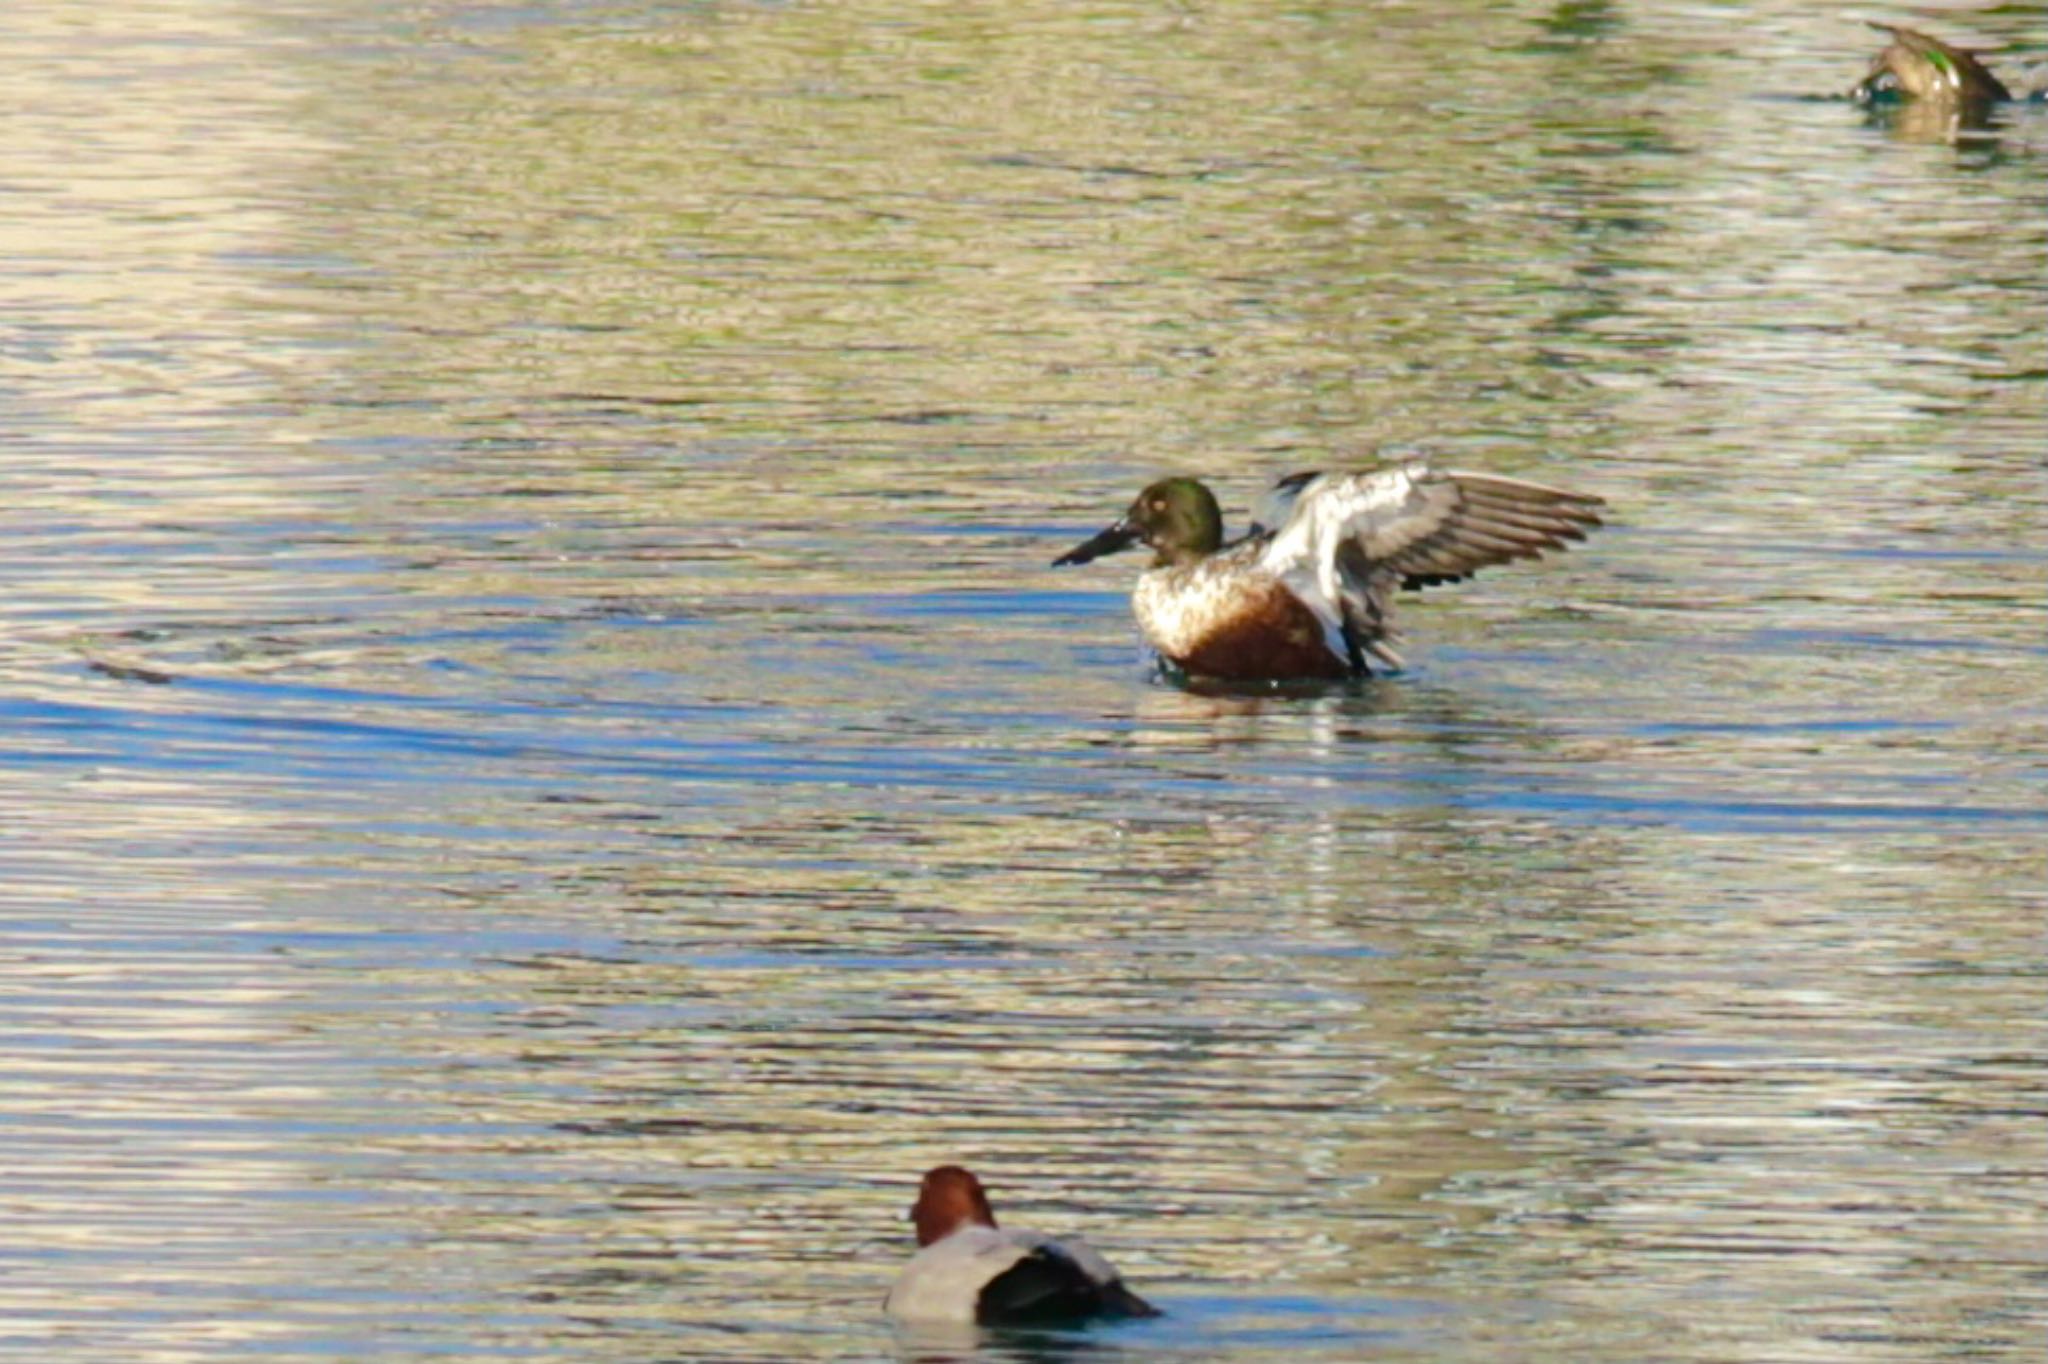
[547, 776]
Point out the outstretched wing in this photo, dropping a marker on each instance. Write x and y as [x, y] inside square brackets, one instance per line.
[1350, 539]
[1426, 525]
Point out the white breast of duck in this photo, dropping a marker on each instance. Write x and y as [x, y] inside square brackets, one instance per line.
[1180, 605]
[970, 1271]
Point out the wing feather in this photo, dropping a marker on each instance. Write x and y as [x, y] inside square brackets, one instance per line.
[1345, 542]
[1484, 519]
[1417, 519]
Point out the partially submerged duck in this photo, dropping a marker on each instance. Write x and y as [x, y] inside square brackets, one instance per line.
[1918, 66]
[969, 1270]
[1309, 592]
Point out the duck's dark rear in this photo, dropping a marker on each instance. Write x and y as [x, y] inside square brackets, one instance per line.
[1047, 1288]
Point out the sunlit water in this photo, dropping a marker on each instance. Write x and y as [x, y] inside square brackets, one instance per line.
[548, 777]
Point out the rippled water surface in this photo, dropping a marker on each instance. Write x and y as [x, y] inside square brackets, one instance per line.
[547, 776]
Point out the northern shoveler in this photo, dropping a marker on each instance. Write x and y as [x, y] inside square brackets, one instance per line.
[1916, 66]
[967, 1270]
[1309, 592]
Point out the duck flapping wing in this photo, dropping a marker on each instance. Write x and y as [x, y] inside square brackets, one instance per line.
[1345, 542]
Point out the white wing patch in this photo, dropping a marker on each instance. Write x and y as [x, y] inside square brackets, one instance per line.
[1330, 511]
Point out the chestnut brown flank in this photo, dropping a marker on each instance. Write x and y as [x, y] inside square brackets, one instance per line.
[1268, 633]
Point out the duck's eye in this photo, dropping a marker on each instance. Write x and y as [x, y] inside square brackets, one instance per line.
[1158, 504]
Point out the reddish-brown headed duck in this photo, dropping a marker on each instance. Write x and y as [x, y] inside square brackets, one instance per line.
[969, 1270]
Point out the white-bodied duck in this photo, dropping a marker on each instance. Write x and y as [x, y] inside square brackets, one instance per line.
[969, 1270]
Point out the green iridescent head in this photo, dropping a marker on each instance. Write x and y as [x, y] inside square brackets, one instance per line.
[1177, 517]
